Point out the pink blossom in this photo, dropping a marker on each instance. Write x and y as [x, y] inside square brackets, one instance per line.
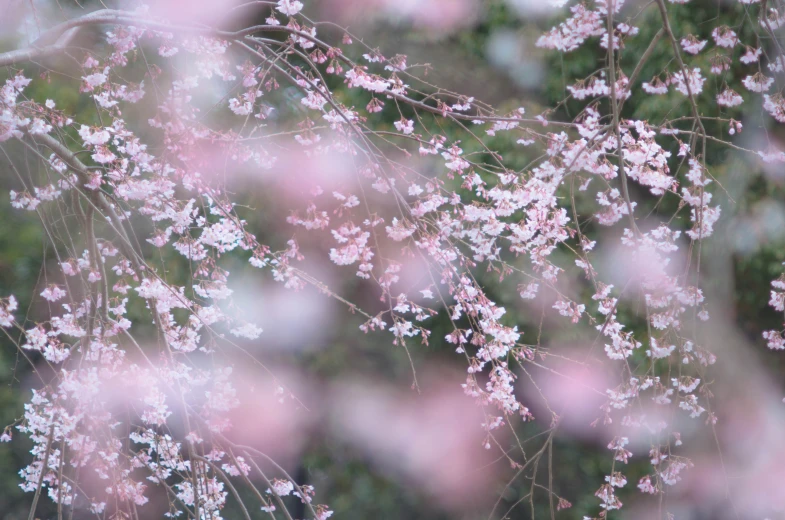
[692, 45]
[724, 36]
[757, 82]
[729, 98]
[289, 7]
[53, 293]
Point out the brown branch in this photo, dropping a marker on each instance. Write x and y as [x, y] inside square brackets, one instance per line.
[615, 108]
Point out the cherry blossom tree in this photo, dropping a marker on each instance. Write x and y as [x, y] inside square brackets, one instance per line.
[125, 410]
